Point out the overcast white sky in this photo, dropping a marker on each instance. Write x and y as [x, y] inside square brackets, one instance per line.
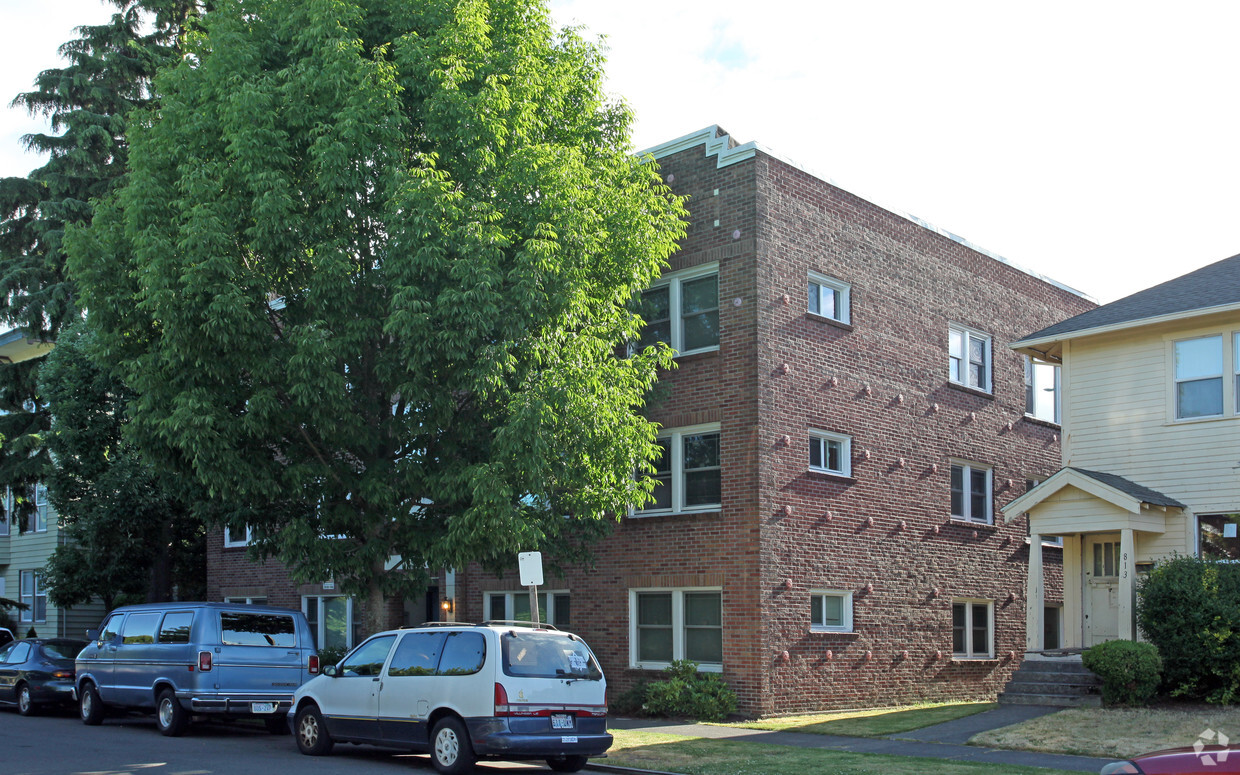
[1095, 143]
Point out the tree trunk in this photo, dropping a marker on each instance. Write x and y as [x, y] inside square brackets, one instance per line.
[376, 618]
[160, 588]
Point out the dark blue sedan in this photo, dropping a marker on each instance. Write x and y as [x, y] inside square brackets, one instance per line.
[37, 672]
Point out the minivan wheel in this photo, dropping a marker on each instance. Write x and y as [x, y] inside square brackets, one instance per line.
[312, 736]
[451, 751]
[25, 703]
[90, 707]
[170, 717]
[567, 763]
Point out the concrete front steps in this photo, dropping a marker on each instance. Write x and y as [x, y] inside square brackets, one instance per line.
[1053, 678]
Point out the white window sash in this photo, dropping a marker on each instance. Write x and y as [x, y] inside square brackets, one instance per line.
[966, 507]
[846, 610]
[675, 299]
[678, 626]
[823, 440]
[675, 439]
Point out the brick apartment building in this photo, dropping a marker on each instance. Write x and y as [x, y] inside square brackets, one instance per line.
[843, 425]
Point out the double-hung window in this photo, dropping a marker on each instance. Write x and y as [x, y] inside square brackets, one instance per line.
[670, 624]
[972, 629]
[331, 620]
[1235, 365]
[553, 607]
[830, 453]
[1199, 377]
[688, 474]
[968, 357]
[34, 596]
[1041, 390]
[42, 508]
[971, 488]
[830, 611]
[829, 297]
[683, 311]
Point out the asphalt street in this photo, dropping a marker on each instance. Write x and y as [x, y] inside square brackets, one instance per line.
[59, 744]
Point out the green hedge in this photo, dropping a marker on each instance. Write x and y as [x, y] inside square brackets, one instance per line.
[1190, 609]
[1130, 672]
[686, 693]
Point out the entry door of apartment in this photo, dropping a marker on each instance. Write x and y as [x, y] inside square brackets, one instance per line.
[1101, 568]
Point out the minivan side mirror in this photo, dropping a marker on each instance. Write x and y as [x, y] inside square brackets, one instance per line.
[92, 635]
[330, 671]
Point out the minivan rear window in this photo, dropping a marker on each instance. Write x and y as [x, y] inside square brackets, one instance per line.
[463, 653]
[547, 655]
[175, 628]
[248, 629]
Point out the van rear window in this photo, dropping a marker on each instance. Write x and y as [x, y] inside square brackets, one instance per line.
[247, 629]
[547, 655]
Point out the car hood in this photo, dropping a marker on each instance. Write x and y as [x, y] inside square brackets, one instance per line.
[1216, 759]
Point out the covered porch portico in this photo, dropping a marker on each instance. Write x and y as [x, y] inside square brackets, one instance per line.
[1106, 522]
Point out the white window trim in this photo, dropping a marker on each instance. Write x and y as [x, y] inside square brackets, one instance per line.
[966, 333]
[966, 500]
[678, 627]
[672, 281]
[246, 600]
[42, 508]
[320, 621]
[968, 629]
[846, 608]
[545, 614]
[845, 452]
[1032, 382]
[29, 615]
[677, 449]
[230, 543]
[842, 289]
[1221, 376]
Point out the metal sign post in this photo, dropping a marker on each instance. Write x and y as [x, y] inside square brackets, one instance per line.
[530, 565]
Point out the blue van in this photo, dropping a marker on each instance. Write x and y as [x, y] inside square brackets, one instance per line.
[182, 659]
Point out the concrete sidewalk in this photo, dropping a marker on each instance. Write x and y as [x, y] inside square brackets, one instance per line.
[935, 742]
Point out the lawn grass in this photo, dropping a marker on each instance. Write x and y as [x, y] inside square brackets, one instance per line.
[1114, 732]
[701, 756]
[876, 722]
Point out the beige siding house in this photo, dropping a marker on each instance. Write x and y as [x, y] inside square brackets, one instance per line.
[1151, 447]
[25, 549]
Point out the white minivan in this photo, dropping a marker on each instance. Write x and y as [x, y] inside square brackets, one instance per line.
[461, 692]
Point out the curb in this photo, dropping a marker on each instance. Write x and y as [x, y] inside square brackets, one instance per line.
[626, 770]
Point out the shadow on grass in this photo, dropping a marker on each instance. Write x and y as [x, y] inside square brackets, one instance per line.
[873, 723]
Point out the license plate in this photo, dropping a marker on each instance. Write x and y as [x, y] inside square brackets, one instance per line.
[262, 707]
[561, 721]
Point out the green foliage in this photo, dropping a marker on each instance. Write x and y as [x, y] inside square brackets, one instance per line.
[371, 272]
[630, 702]
[31, 633]
[689, 694]
[1130, 671]
[134, 530]
[108, 74]
[1189, 608]
[331, 655]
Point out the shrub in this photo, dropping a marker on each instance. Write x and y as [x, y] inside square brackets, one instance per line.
[631, 701]
[1130, 672]
[31, 633]
[1190, 609]
[331, 655]
[687, 693]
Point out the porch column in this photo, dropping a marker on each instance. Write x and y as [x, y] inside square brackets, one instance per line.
[1073, 593]
[1127, 576]
[1035, 605]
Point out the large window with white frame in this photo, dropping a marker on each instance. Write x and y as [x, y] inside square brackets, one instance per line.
[237, 538]
[682, 309]
[830, 611]
[972, 629]
[554, 607]
[830, 453]
[829, 297]
[971, 492]
[968, 357]
[1235, 366]
[670, 624]
[1199, 377]
[1041, 390]
[688, 473]
[331, 619]
[33, 596]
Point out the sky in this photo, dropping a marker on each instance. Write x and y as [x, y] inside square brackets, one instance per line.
[1093, 143]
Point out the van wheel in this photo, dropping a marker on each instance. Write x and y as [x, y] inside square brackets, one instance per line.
[277, 724]
[451, 751]
[567, 763]
[312, 736]
[90, 707]
[170, 717]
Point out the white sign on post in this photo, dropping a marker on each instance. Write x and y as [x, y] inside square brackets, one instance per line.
[530, 564]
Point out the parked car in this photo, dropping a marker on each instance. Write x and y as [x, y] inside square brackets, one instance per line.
[37, 672]
[6, 636]
[462, 692]
[180, 659]
[1210, 759]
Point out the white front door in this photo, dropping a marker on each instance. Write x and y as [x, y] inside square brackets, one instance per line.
[1101, 569]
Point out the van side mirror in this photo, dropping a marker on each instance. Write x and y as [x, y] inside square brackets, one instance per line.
[92, 635]
[330, 671]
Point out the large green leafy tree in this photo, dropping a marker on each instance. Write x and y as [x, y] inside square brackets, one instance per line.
[108, 74]
[132, 527]
[372, 272]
